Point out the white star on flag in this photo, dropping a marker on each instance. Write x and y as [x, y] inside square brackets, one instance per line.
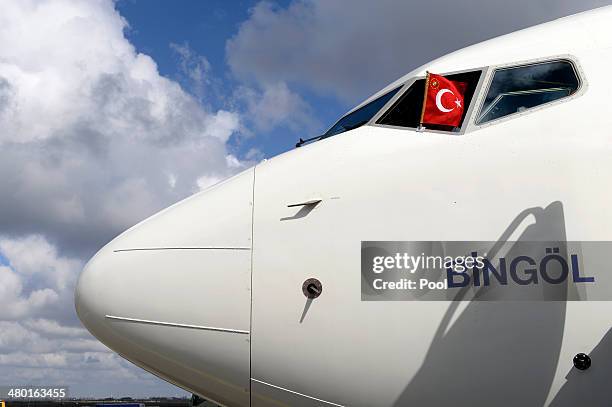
[458, 102]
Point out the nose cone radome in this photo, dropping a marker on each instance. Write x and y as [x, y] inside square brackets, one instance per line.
[89, 304]
[172, 294]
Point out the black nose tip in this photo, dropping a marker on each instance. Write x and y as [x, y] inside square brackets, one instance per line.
[582, 361]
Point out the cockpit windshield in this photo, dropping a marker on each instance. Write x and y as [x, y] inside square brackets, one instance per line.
[406, 112]
[360, 116]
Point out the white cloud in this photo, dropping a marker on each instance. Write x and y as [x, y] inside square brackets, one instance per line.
[195, 68]
[276, 105]
[36, 281]
[351, 49]
[53, 328]
[233, 162]
[223, 124]
[16, 304]
[93, 139]
[172, 180]
[96, 372]
[254, 154]
[206, 181]
[34, 257]
[89, 128]
[41, 341]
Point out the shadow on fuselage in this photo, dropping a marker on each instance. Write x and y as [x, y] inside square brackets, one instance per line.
[590, 387]
[499, 351]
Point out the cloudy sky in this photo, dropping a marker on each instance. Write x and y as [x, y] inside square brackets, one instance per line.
[110, 111]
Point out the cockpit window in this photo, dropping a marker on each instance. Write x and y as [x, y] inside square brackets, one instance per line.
[406, 112]
[360, 116]
[517, 89]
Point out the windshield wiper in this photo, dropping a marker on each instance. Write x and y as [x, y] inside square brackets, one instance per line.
[301, 142]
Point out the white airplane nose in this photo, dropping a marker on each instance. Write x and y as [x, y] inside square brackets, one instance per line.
[88, 298]
[172, 294]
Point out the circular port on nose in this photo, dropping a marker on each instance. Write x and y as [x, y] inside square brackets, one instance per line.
[312, 288]
[582, 361]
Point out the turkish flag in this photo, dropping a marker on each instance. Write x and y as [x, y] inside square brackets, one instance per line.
[443, 102]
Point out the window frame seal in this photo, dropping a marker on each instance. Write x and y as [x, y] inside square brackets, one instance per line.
[406, 85]
[401, 87]
[572, 60]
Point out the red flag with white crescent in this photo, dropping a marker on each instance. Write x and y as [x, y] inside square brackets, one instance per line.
[443, 102]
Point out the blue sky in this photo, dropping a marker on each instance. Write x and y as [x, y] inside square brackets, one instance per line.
[205, 27]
